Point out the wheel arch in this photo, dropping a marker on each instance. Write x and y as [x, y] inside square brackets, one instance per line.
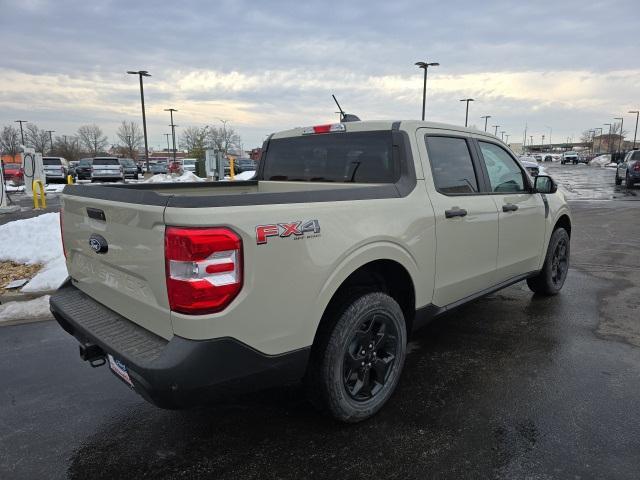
[563, 221]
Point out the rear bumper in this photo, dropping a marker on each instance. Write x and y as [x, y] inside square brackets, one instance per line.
[179, 372]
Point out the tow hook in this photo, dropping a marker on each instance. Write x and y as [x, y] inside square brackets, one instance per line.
[93, 354]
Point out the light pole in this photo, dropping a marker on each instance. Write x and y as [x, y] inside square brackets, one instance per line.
[486, 117]
[21, 132]
[608, 138]
[50, 138]
[495, 134]
[425, 66]
[531, 143]
[637, 112]
[143, 73]
[621, 125]
[168, 148]
[507, 139]
[542, 140]
[466, 116]
[502, 134]
[173, 130]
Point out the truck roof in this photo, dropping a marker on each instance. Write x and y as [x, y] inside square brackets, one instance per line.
[363, 126]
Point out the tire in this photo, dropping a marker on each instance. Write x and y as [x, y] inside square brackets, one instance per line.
[618, 179]
[348, 384]
[628, 182]
[556, 265]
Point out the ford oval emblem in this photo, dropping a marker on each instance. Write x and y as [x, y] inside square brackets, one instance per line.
[98, 243]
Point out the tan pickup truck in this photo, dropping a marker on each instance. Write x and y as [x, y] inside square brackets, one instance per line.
[351, 236]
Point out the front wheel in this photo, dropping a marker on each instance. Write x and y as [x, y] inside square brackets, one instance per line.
[556, 265]
[618, 179]
[358, 362]
[627, 181]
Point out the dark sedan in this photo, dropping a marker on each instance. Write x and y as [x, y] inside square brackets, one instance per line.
[83, 169]
[160, 167]
[129, 167]
[628, 170]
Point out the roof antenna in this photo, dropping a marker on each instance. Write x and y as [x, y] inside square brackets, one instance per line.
[345, 117]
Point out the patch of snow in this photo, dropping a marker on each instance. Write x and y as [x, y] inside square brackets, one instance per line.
[611, 165]
[248, 175]
[36, 240]
[54, 187]
[600, 161]
[38, 307]
[168, 178]
[13, 188]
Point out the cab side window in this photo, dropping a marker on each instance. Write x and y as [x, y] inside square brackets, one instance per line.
[451, 164]
[505, 176]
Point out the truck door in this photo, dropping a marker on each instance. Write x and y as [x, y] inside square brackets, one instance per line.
[521, 213]
[466, 219]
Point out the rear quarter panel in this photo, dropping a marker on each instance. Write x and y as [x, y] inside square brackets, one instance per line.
[288, 282]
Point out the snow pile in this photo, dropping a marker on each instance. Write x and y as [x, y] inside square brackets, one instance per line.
[248, 175]
[36, 308]
[55, 187]
[168, 178]
[611, 165]
[36, 240]
[601, 161]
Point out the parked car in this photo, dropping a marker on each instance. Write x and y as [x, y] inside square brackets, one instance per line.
[72, 168]
[159, 167]
[186, 291]
[244, 165]
[129, 168]
[531, 165]
[83, 169]
[189, 165]
[175, 167]
[548, 158]
[538, 157]
[569, 157]
[13, 172]
[106, 168]
[55, 169]
[629, 170]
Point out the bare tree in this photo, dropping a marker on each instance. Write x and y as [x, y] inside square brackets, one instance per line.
[10, 141]
[223, 138]
[37, 138]
[130, 134]
[194, 140]
[67, 147]
[587, 136]
[92, 139]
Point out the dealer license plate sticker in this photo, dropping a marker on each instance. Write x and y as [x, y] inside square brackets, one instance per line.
[120, 369]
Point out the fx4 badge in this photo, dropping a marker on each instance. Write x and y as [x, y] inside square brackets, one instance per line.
[298, 230]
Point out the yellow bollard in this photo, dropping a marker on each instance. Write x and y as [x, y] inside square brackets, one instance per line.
[40, 199]
[232, 172]
[69, 179]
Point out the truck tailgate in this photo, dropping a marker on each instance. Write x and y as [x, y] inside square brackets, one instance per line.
[115, 254]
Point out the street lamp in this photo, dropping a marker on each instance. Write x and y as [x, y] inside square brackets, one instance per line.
[507, 139]
[542, 140]
[466, 116]
[425, 66]
[550, 132]
[21, 132]
[495, 134]
[486, 117]
[621, 125]
[608, 138]
[637, 112]
[168, 148]
[173, 130]
[143, 73]
[50, 138]
[502, 134]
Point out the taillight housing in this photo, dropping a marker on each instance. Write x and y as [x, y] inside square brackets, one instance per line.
[636, 167]
[203, 268]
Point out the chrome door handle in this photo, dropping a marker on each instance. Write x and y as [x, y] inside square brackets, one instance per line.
[509, 207]
[455, 212]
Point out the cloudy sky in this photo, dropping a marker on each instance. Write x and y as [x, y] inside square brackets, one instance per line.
[270, 65]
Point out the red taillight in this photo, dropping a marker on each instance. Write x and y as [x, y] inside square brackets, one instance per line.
[203, 267]
[62, 236]
[636, 167]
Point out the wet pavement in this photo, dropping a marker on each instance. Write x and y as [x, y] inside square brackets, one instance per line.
[512, 386]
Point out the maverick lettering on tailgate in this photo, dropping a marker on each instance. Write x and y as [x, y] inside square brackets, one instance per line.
[298, 229]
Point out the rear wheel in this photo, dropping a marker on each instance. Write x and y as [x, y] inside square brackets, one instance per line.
[556, 265]
[358, 362]
[627, 181]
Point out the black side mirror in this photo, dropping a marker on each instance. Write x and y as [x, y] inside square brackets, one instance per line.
[545, 184]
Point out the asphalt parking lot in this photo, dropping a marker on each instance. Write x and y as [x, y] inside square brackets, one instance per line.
[511, 386]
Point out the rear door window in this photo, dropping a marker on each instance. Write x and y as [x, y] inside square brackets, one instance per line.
[451, 165]
[361, 157]
[51, 161]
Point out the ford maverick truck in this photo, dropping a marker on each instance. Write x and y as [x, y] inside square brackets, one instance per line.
[350, 236]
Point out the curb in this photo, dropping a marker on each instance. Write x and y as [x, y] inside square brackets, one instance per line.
[23, 321]
[23, 296]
